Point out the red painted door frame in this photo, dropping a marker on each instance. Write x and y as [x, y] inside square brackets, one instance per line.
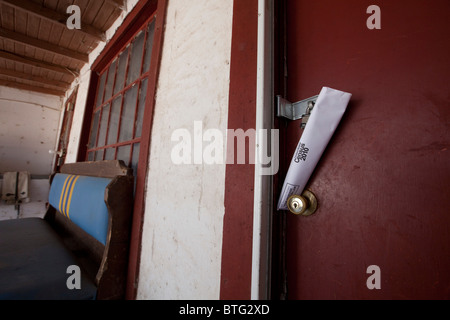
[239, 181]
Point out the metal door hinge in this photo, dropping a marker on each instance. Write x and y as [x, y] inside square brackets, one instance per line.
[296, 111]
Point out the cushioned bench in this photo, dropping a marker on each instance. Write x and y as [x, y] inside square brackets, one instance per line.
[87, 225]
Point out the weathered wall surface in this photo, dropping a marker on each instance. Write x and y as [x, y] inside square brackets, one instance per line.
[29, 125]
[183, 227]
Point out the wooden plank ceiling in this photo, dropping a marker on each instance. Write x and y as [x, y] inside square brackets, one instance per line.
[37, 50]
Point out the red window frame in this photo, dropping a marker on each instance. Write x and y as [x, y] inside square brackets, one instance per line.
[143, 12]
[106, 102]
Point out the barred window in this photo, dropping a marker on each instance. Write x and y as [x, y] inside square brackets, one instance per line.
[117, 119]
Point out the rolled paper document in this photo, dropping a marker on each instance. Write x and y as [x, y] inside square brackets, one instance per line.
[323, 122]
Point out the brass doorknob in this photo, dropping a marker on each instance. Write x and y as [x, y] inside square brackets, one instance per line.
[304, 205]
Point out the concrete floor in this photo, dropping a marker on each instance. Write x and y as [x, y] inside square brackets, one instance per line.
[38, 191]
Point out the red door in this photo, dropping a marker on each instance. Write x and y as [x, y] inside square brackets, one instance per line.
[383, 184]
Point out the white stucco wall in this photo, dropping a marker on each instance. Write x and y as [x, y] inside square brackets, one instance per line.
[29, 124]
[183, 225]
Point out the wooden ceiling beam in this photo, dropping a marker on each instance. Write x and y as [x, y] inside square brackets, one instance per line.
[39, 64]
[120, 4]
[29, 77]
[47, 46]
[22, 86]
[35, 9]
